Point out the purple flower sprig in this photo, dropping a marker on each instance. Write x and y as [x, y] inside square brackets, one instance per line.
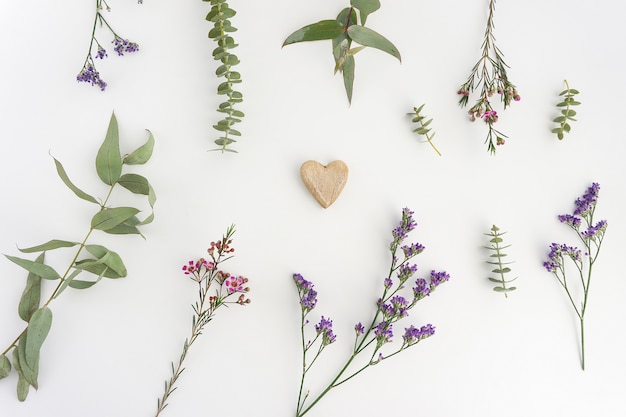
[216, 288]
[392, 306]
[491, 75]
[590, 233]
[89, 74]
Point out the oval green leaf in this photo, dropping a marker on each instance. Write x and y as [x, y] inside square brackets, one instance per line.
[111, 217]
[109, 159]
[134, 183]
[44, 271]
[38, 329]
[142, 154]
[368, 37]
[29, 301]
[5, 366]
[322, 30]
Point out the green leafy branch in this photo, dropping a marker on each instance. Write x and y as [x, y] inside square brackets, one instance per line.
[220, 14]
[100, 261]
[567, 113]
[423, 128]
[500, 268]
[342, 31]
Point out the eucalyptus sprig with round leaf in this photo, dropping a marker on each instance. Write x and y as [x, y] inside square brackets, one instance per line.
[95, 261]
[567, 113]
[220, 15]
[348, 27]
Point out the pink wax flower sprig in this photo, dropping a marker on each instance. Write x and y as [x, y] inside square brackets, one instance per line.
[374, 341]
[89, 74]
[591, 234]
[216, 289]
[489, 73]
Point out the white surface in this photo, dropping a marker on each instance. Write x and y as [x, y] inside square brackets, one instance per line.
[110, 347]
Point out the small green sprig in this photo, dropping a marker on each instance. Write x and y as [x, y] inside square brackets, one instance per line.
[215, 288]
[100, 261]
[567, 114]
[500, 268]
[342, 31]
[220, 15]
[423, 128]
[490, 73]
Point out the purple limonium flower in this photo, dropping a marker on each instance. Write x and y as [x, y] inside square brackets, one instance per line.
[587, 202]
[89, 75]
[383, 333]
[437, 278]
[406, 225]
[406, 271]
[102, 53]
[413, 249]
[413, 335]
[570, 219]
[388, 283]
[308, 296]
[325, 328]
[122, 46]
[555, 257]
[597, 229]
[358, 328]
[421, 289]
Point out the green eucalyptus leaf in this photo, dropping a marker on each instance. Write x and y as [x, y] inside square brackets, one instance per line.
[558, 119]
[38, 329]
[325, 29]
[39, 269]
[499, 281]
[109, 258]
[67, 281]
[110, 217]
[573, 91]
[29, 371]
[560, 135]
[109, 158]
[502, 289]
[22, 385]
[5, 366]
[142, 154]
[82, 285]
[365, 7]
[348, 76]
[368, 37]
[566, 127]
[134, 183]
[50, 245]
[66, 180]
[29, 301]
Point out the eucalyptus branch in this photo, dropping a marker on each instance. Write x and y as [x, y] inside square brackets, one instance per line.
[347, 27]
[220, 15]
[100, 262]
[567, 114]
[500, 267]
[591, 234]
[490, 74]
[391, 307]
[89, 74]
[211, 280]
[423, 128]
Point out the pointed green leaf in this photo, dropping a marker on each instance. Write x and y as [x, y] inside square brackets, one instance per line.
[39, 269]
[112, 260]
[22, 385]
[348, 76]
[66, 180]
[126, 228]
[82, 285]
[325, 29]
[499, 281]
[50, 245]
[5, 366]
[367, 37]
[109, 159]
[29, 302]
[134, 183]
[29, 371]
[110, 217]
[67, 282]
[142, 154]
[36, 334]
[365, 7]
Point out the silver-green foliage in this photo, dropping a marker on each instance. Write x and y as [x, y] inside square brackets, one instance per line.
[423, 126]
[567, 113]
[497, 255]
[219, 15]
[342, 31]
[91, 259]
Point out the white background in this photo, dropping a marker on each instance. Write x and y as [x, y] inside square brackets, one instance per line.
[110, 347]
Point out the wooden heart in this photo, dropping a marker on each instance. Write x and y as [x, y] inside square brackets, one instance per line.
[325, 183]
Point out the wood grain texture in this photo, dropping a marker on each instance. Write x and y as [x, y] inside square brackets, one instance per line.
[324, 182]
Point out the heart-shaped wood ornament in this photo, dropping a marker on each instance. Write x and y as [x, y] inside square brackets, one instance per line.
[325, 183]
